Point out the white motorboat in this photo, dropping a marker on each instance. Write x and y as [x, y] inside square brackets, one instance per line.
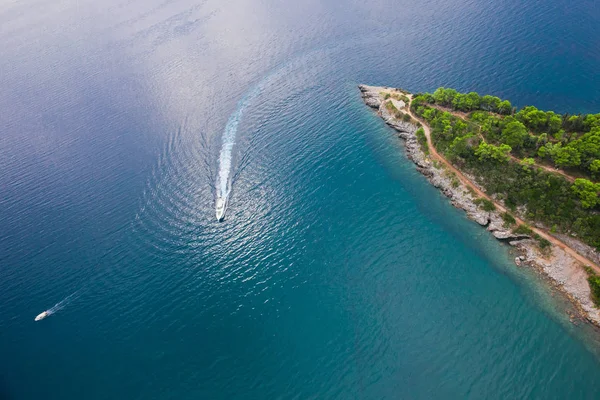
[41, 316]
[220, 208]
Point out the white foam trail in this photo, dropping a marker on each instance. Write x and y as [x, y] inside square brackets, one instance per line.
[224, 177]
[223, 184]
[61, 304]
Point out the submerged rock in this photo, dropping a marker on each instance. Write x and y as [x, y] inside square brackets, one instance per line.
[518, 261]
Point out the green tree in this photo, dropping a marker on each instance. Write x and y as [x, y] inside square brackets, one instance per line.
[462, 146]
[533, 118]
[574, 123]
[595, 167]
[586, 191]
[471, 101]
[458, 103]
[466, 102]
[428, 114]
[489, 152]
[566, 156]
[591, 121]
[514, 134]
[548, 150]
[505, 107]
[444, 96]
[588, 146]
[554, 122]
[538, 120]
[542, 140]
[490, 103]
[527, 163]
[460, 127]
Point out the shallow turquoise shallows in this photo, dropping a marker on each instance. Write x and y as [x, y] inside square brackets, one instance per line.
[338, 272]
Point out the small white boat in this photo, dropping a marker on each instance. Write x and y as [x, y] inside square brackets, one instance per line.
[41, 316]
[220, 208]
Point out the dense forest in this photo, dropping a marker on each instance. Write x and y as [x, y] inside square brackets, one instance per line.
[505, 150]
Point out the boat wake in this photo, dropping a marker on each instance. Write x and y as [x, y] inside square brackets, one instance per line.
[224, 180]
[56, 308]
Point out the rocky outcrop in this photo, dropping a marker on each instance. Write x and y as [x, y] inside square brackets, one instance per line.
[370, 96]
[564, 272]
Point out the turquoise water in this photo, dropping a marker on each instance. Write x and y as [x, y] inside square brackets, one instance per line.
[339, 272]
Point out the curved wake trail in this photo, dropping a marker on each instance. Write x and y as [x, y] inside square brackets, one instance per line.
[224, 180]
[57, 307]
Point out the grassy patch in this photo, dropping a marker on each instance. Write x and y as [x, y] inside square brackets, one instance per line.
[508, 219]
[543, 243]
[422, 139]
[390, 106]
[523, 230]
[485, 204]
[400, 97]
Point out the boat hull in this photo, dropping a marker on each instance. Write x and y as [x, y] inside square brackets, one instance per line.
[221, 205]
[41, 316]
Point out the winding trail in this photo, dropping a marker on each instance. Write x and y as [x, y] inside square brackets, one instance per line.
[433, 153]
[547, 168]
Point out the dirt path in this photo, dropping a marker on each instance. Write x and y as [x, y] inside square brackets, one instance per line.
[433, 153]
[547, 168]
[459, 114]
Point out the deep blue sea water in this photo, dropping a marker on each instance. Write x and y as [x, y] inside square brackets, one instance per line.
[339, 272]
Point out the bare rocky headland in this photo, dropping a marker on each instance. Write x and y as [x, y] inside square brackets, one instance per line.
[563, 271]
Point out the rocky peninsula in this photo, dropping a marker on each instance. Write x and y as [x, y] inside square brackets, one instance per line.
[562, 263]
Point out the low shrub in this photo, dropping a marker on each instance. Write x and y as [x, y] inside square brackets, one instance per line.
[390, 106]
[508, 219]
[485, 204]
[523, 230]
[543, 243]
[422, 139]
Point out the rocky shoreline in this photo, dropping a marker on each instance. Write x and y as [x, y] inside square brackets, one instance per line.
[564, 272]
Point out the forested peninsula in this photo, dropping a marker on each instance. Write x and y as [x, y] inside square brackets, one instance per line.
[538, 161]
[530, 176]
